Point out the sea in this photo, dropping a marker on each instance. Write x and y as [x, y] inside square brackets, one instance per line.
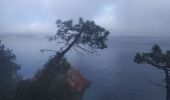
[112, 71]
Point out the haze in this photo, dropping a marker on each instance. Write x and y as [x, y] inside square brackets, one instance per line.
[120, 17]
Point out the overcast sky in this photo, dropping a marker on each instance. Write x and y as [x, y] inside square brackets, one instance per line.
[120, 17]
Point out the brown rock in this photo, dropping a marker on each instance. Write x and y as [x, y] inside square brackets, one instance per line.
[76, 81]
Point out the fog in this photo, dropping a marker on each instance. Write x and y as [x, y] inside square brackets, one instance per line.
[121, 17]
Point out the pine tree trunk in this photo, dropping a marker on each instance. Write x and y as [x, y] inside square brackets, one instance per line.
[60, 55]
[167, 84]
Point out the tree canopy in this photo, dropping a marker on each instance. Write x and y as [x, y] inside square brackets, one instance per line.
[156, 58]
[8, 70]
[87, 32]
[84, 35]
[159, 60]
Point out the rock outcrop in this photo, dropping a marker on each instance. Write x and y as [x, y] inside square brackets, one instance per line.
[76, 81]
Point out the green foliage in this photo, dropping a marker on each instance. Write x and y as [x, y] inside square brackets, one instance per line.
[156, 49]
[84, 33]
[159, 60]
[156, 57]
[48, 84]
[8, 71]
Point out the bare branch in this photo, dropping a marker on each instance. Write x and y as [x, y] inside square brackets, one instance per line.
[91, 52]
[78, 52]
[66, 43]
[43, 50]
[158, 66]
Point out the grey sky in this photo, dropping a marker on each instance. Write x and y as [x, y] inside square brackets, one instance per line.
[121, 17]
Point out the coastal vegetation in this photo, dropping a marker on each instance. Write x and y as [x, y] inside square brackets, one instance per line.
[159, 60]
[57, 80]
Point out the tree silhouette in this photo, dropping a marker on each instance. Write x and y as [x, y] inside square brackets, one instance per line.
[8, 71]
[85, 35]
[158, 60]
[49, 83]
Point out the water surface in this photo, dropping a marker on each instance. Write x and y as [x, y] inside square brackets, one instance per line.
[113, 73]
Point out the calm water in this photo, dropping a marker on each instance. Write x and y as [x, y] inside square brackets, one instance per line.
[113, 73]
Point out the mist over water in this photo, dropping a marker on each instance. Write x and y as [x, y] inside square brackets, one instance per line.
[113, 73]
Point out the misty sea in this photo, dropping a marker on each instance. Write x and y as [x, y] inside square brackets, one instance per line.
[113, 73]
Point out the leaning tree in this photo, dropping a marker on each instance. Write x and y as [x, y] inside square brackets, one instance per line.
[159, 60]
[81, 36]
[84, 35]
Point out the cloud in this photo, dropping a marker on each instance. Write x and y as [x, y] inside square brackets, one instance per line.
[34, 27]
[23, 15]
[106, 17]
[121, 17]
[150, 17]
[138, 17]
